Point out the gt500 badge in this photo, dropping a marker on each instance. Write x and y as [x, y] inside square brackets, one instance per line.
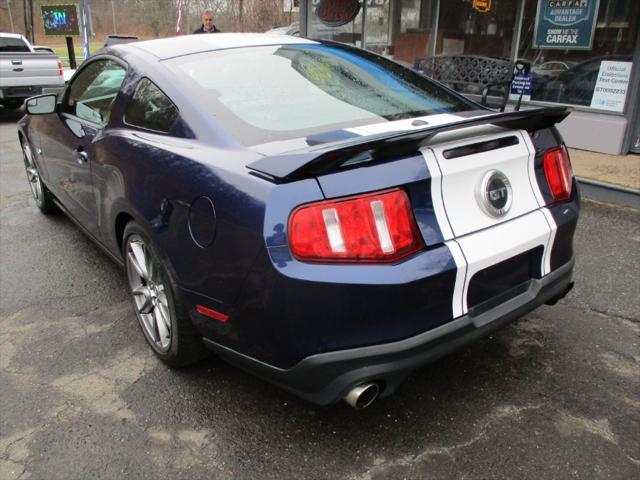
[494, 194]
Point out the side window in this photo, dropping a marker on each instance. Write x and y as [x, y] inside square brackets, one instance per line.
[151, 109]
[92, 93]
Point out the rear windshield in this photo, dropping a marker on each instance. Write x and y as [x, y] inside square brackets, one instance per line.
[10, 44]
[280, 92]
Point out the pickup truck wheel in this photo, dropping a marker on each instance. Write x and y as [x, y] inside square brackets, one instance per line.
[42, 196]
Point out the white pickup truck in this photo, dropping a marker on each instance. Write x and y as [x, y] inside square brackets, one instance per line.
[25, 72]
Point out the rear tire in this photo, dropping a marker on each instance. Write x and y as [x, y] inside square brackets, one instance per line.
[161, 314]
[42, 196]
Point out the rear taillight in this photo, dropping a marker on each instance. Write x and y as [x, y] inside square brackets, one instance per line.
[557, 170]
[372, 228]
[60, 74]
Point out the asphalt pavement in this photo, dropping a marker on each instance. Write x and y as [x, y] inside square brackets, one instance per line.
[555, 395]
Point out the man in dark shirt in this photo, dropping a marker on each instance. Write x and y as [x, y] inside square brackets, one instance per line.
[207, 23]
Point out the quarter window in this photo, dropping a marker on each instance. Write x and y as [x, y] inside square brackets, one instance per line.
[151, 109]
[92, 93]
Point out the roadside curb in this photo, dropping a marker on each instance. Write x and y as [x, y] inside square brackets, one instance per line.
[608, 192]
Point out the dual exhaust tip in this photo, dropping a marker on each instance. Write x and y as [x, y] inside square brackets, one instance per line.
[363, 395]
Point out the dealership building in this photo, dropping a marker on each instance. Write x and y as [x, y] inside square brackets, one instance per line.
[582, 53]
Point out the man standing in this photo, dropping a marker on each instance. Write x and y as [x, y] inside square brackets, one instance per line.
[207, 23]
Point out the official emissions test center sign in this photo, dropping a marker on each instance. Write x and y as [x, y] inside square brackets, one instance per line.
[611, 87]
[565, 24]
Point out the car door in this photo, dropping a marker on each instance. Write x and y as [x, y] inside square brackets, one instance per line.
[69, 143]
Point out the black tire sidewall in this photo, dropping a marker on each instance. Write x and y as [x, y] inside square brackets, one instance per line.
[173, 352]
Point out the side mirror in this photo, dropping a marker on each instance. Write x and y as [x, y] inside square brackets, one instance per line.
[42, 104]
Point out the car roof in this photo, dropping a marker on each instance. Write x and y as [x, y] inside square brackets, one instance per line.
[10, 35]
[165, 48]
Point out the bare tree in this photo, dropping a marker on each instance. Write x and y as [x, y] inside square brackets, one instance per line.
[152, 18]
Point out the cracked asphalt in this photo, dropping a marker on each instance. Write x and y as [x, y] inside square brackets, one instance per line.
[555, 395]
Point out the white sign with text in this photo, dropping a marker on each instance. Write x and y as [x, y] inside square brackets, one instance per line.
[611, 87]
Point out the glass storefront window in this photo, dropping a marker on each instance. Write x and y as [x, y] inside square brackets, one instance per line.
[410, 19]
[350, 33]
[402, 30]
[398, 29]
[578, 76]
[411, 30]
[377, 26]
[463, 30]
[569, 52]
[466, 30]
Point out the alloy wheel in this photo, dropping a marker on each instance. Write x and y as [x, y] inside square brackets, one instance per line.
[32, 173]
[149, 293]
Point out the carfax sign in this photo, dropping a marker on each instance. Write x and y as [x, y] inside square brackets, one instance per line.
[565, 24]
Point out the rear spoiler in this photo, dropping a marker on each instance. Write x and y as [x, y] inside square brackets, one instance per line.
[329, 157]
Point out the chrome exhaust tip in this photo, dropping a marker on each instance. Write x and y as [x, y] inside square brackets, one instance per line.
[363, 395]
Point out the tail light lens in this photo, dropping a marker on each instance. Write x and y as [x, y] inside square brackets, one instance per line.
[60, 74]
[557, 170]
[372, 228]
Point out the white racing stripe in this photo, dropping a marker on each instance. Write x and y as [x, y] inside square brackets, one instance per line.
[501, 242]
[457, 303]
[415, 123]
[553, 228]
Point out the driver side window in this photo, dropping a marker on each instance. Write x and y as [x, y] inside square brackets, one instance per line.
[92, 93]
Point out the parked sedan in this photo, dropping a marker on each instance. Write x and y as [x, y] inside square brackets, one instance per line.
[551, 69]
[309, 211]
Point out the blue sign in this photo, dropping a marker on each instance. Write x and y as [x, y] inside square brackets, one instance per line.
[520, 84]
[565, 24]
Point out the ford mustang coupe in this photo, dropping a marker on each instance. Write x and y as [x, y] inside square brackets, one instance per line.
[311, 212]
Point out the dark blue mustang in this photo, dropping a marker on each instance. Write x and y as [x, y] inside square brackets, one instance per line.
[309, 211]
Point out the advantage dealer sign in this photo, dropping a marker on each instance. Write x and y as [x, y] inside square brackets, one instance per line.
[565, 24]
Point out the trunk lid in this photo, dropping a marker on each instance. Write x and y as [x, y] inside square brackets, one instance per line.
[483, 179]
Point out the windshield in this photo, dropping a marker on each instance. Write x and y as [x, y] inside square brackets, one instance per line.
[272, 93]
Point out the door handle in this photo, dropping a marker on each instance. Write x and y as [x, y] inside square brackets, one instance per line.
[82, 157]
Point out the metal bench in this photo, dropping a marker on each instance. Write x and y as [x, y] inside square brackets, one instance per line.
[458, 71]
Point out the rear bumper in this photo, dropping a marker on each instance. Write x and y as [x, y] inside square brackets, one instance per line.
[325, 378]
